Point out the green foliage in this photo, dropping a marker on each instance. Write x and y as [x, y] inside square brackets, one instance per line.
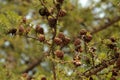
[8, 19]
[21, 46]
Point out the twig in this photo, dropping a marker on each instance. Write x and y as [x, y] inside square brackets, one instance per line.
[60, 61]
[33, 65]
[85, 47]
[53, 55]
[38, 61]
[93, 61]
[106, 25]
[37, 39]
[52, 47]
[99, 67]
[42, 3]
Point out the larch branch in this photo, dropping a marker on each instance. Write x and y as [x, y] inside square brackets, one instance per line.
[106, 25]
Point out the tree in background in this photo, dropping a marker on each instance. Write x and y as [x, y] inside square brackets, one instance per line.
[59, 40]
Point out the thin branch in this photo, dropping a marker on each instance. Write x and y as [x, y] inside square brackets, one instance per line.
[53, 55]
[46, 42]
[59, 61]
[93, 61]
[33, 65]
[38, 61]
[52, 47]
[85, 47]
[99, 67]
[42, 3]
[106, 25]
